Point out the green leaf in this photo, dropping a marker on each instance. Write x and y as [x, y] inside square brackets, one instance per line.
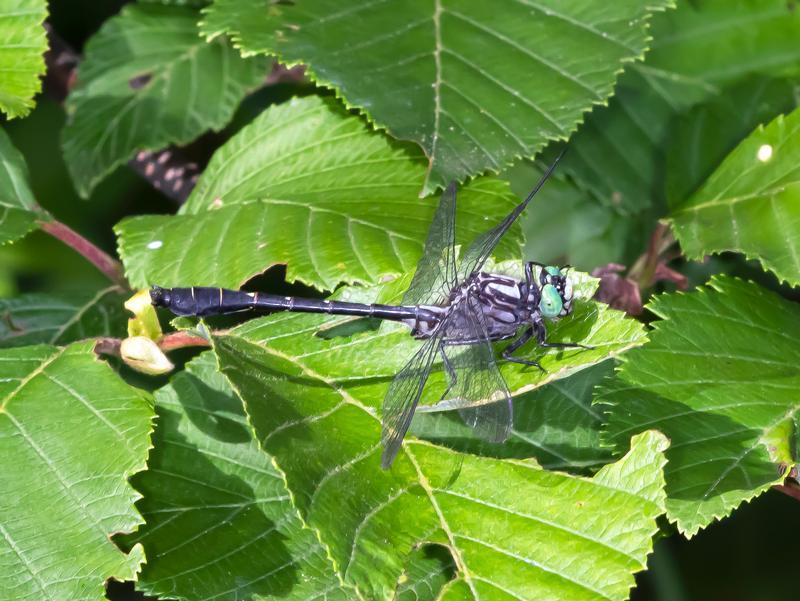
[566, 225]
[45, 319]
[474, 86]
[19, 208]
[511, 526]
[76, 432]
[719, 377]
[751, 204]
[429, 569]
[556, 424]
[733, 37]
[619, 153]
[147, 81]
[702, 137]
[308, 185]
[23, 43]
[218, 516]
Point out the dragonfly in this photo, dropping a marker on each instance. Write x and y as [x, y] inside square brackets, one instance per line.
[451, 305]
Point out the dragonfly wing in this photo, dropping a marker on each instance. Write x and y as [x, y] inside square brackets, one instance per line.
[475, 380]
[479, 250]
[436, 270]
[402, 398]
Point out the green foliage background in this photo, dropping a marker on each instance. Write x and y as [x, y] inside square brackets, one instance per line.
[251, 471]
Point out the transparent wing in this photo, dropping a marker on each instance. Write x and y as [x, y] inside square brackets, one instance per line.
[474, 376]
[476, 254]
[402, 398]
[436, 273]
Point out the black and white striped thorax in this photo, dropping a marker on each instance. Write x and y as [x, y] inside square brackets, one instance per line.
[503, 301]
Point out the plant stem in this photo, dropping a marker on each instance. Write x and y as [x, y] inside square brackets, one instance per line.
[109, 266]
[106, 345]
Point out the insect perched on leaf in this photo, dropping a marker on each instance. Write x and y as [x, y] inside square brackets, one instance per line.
[452, 305]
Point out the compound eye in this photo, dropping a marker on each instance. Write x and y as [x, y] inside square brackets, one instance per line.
[550, 304]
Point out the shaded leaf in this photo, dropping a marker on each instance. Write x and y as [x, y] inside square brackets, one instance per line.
[45, 319]
[76, 432]
[719, 377]
[556, 424]
[751, 204]
[23, 43]
[618, 154]
[218, 516]
[530, 533]
[701, 138]
[308, 185]
[429, 569]
[19, 208]
[475, 86]
[147, 81]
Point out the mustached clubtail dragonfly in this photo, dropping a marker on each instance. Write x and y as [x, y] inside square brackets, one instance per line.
[452, 305]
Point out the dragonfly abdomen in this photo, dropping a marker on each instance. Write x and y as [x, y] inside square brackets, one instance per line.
[203, 301]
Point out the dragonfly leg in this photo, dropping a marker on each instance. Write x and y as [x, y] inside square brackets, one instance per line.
[541, 334]
[452, 377]
[524, 337]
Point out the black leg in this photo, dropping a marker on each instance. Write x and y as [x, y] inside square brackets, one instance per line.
[541, 334]
[452, 377]
[524, 337]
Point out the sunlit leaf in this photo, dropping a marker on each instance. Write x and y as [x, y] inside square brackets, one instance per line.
[751, 204]
[147, 81]
[511, 526]
[218, 516]
[41, 318]
[475, 84]
[22, 46]
[719, 377]
[71, 433]
[308, 185]
[18, 208]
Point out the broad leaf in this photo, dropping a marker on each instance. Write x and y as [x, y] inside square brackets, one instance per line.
[702, 137]
[76, 432]
[719, 377]
[722, 32]
[556, 424]
[218, 516]
[429, 569]
[618, 154]
[22, 46]
[311, 186]
[19, 208]
[474, 84]
[751, 204]
[147, 81]
[510, 525]
[45, 319]
[566, 225]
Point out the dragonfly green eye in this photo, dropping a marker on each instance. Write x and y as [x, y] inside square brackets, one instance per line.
[554, 271]
[551, 303]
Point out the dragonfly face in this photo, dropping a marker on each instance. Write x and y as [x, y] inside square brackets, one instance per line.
[555, 291]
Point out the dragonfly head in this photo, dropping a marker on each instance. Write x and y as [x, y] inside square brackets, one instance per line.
[556, 292]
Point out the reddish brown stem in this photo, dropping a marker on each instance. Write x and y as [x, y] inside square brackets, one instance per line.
[177, 340]
[109, 266]
[791, 489]
[170, 342]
